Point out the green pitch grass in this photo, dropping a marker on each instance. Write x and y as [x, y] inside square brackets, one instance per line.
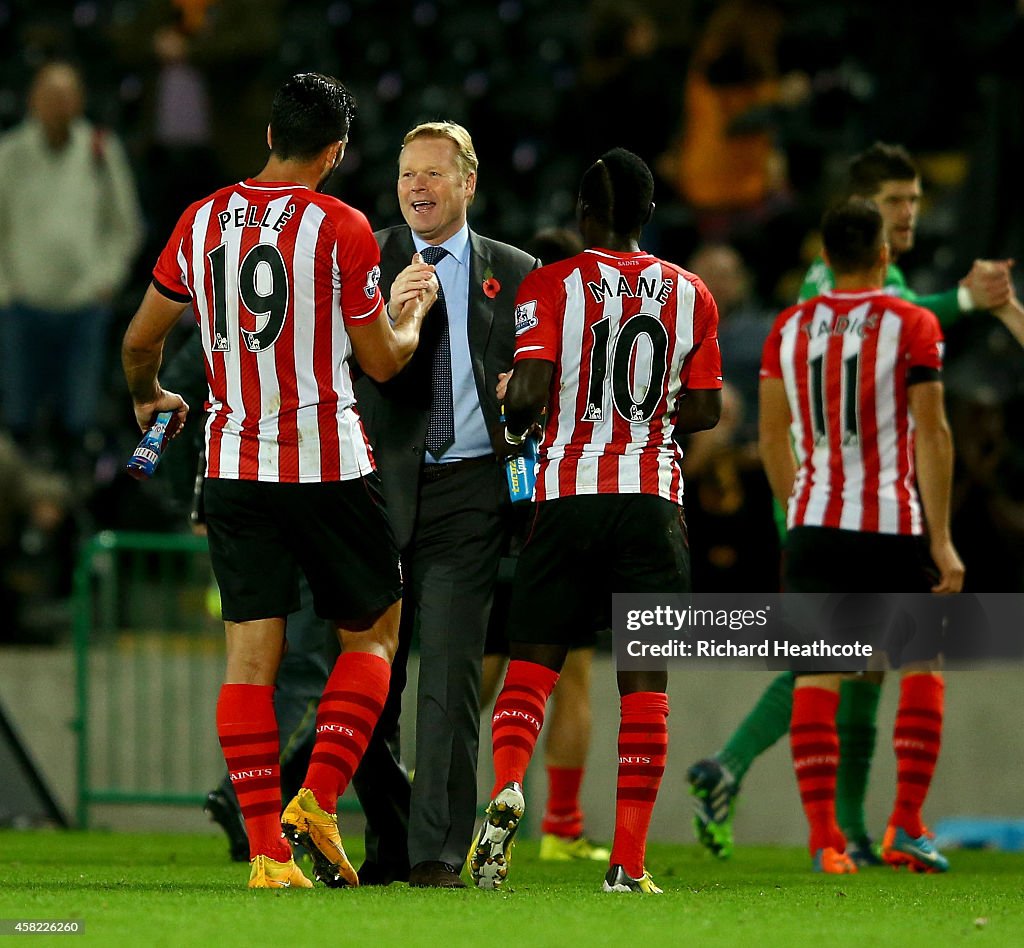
[181, 890]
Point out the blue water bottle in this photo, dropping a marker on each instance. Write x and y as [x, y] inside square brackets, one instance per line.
[147, 455]
[521, 468]
[521, 471]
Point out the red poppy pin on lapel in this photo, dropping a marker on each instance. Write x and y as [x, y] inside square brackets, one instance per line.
[491, 286]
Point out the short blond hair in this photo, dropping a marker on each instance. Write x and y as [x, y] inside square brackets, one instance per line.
[465, 153]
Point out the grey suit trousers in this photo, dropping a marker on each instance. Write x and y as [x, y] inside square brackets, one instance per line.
[450, 567]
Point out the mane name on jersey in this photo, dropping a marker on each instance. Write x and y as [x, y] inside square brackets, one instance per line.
[640, 286]
[841, 325]
[249, 216]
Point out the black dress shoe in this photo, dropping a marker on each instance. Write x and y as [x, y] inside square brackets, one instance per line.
[435, 875]
[224, 810]
[374, 873]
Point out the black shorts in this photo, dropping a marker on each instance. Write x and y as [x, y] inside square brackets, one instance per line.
[826, 560]
[864, 575]
[338, 534]
[497, 626]
[582, 550]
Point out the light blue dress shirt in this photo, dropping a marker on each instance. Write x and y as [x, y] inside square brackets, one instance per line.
[471, 437]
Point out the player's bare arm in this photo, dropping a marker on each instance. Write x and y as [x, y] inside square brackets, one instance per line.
[773, 438]
[526, 396]
[991, 289]
[699, 410]
[141, 355]
[1011, 315]
[383, 349]
[933, 455]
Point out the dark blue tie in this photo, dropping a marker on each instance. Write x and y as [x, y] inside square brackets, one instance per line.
[441, 421]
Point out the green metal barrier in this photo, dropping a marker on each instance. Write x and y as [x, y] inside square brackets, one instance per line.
[149, 660]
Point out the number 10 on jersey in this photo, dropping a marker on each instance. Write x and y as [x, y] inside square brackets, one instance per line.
[637, 369]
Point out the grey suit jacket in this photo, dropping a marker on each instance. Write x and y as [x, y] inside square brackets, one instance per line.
[395, 413]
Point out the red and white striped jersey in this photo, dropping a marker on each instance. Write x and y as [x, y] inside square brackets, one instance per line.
[628, 334]
[275, 272]
[847, 361]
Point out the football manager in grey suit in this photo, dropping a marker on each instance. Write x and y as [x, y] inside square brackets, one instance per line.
[432, 430]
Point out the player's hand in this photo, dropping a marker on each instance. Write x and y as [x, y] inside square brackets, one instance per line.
[950, 566]
[415, 285]
[165, 401]
[989, 283]
[502, 387]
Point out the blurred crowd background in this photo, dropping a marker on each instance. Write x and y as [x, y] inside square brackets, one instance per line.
[747, 110]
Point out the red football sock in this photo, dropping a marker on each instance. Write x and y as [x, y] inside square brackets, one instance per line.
[814, 741]
[563, 815]
[247, 728]
[916, 739]
[643, 744]
[517, 719]
[349, 709]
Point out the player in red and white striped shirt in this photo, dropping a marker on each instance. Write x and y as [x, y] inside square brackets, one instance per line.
[622, 349]
[283, 283]
[250, 255]
[852, 379]
[847, 361]
[630, 335]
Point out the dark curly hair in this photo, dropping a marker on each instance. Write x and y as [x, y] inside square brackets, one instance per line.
[310, 111]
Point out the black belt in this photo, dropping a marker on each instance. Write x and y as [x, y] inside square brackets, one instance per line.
[438, 472]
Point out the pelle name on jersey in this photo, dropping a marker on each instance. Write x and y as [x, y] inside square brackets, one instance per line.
[250, 216]
[640, 286]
